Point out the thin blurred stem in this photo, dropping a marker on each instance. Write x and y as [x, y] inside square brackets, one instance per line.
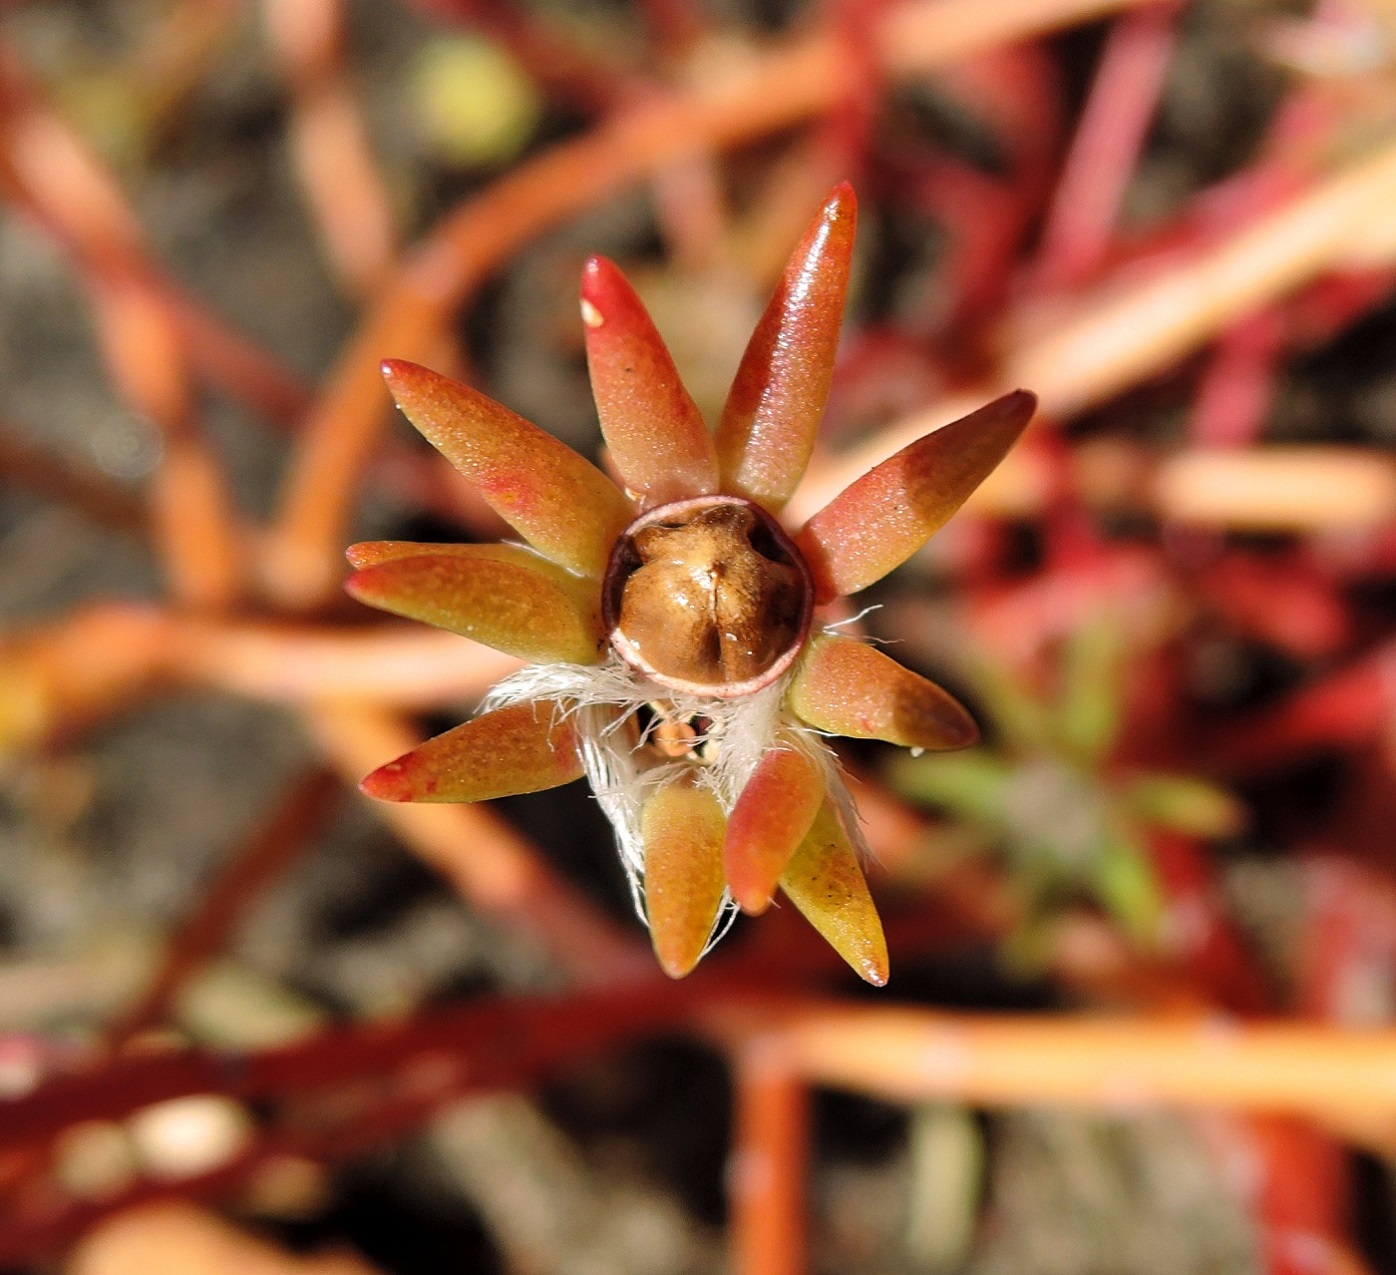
[232, 363]
[1128, 330]
[1278, 488]
[348, 198]
[50, 173]
[1268, 489]
[180, 54]
[1235, 390]
[767, 1174]
[179, 1237]
[57, 677]
[1344, 708]
[692, 212]
[195, 525]
[912, 1055]
[674, 26]
[363, 1086]
[399, 666]
[773, 91]
[490, 865]
[1114, 123]
[92, 493]
[250, 870]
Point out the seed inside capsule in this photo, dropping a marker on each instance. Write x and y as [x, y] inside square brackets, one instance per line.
[708, 595]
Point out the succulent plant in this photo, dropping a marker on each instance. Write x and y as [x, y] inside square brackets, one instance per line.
[678, 655]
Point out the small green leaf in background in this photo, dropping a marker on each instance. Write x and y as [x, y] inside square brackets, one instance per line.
[1088, 712]
[1020, 716]
[1127, 888]
[475, 105]
[1184, 804]
[971, 784]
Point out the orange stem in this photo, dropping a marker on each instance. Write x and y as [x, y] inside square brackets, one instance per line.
[767, 1175]
[39, 470]
[394, 665]
[51, 173]
[912, 1055]
[94, 661]
[329, 141]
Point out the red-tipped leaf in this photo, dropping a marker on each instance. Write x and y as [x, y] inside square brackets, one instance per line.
[656, 434]
[770, 819]
[884, 517]
[523, 748]
[777, 399]
[681, 827]
[825, 881]
[849, 688]
[559, 502]
[501, 595]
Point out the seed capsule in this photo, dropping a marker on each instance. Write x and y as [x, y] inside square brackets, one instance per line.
[708, 596]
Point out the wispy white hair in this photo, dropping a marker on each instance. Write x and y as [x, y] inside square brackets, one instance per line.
[604, 701]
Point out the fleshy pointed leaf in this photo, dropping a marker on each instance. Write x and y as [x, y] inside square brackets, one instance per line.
[558, 501]
[657, 437]
[369, 553]
[825, 881]
[849, 688]
[770, 819]
[884, 517]
[681, 827]
[501, 595]
[523, 748]
[777, 399]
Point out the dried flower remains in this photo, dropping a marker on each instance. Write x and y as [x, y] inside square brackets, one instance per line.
[678, 658]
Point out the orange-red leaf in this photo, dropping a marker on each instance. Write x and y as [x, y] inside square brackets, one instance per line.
[777, 399]
[559, 502]
[824, 880]
[369, 553]
[656, 434]
[884, 517]
[847, 687]
[770, 819]
[523, 748]
[681, 827]
[501, 595]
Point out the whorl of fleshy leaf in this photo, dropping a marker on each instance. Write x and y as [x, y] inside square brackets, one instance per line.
[879, 521]
[777, 399]
[559, 502]
[658, 439]
[846, 687]
[681, 827]
[825, 882]
[501, 595]
[521, 748]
